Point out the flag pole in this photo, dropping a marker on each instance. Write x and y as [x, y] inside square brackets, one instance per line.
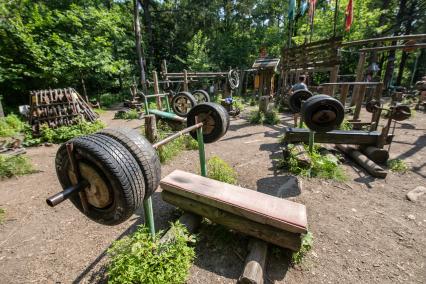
[335, 17]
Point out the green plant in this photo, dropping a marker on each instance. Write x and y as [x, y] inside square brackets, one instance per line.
[271, 117]
[2, 215]
[139, 258]
[307, 242]
[108, 99]
[99, 111]
[322, 166]
[131, 114]
[14, 166]
[346, 125]
[256, 117]
[65, 133]
[397, 165]
[11, 125]
[219, 170]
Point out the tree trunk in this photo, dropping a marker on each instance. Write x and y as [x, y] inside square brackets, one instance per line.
[138, 39]
[1, 109]
[83, 84]
[148, 26]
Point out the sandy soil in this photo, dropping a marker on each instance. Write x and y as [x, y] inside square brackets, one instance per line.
[365, 230]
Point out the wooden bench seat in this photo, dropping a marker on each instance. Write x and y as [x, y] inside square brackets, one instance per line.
[251, 212]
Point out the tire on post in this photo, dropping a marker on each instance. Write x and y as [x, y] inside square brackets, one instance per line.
[322, 113]
[142, 150]
[182, 103]
[214, 119]
[201, 96]
[116, 183]
[296, 100]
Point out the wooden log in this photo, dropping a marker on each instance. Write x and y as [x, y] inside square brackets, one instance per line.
[353, 137]
[185, 81]
[150, 128]
[264, 232]
[362, 160]
[301, 155]
[191, 223]
[255, 263]
[377, 155]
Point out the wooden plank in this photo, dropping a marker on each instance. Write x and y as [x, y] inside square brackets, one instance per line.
[252, 205]
[362, 160]
[238, 223]
[353, 137]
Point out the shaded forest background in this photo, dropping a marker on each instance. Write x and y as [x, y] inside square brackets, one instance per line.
[91, 43]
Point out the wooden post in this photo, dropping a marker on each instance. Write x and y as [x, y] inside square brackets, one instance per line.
[185, 81]
[377, 155]
[1, 109]
[333, 78]
[344, 94]
[359, 77]
[358, 102]
[164, 72]
[157, 89]
[150, 128]
[378, 92]
[255, 263]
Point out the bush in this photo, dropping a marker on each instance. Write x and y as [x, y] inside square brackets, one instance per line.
[108, 99]
[11, 125]
[257, 117]
[131, 114]
[141, 259]
[397, 165]
[346, 125]
[65, 133]
[219, 170]
[271, 117]
[14, 166]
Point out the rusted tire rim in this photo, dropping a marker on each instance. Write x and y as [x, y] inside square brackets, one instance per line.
[182, 103]
[201, 96]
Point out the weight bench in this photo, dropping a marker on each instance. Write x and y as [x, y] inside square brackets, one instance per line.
[259, 215]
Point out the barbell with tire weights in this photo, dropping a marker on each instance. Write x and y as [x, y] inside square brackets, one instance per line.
[322, 113]
[398, 112]
[116, 169]
[296, 100]
[201, 96]
[182, 103]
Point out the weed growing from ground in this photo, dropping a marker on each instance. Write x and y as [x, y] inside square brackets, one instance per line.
[131, 114]
[2, 215]
[218, 169]
[307, 242]
[256, 117]
[14, 166]
[346, 125]
[139, 258]
[271, 117]
[397, 165]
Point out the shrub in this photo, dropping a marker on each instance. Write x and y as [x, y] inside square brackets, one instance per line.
[257, 117]
[14, 166]
[397, 165]
[11, 125]
[219, 170]
[108, 99]
[141, 259]
[307, 242]
[65, 133]
[131, 114]
[271, 117]
[346, 125]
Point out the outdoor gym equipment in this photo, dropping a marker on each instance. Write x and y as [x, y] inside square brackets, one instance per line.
[296, 100]
[109, 174]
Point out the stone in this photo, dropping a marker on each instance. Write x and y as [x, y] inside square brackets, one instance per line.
[416, 193]
[411, 217]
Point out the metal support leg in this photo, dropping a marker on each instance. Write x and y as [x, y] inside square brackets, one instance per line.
[149, 215]
[201, 152]
[311, 141]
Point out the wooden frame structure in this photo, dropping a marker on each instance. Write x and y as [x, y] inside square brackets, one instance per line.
[265, 70]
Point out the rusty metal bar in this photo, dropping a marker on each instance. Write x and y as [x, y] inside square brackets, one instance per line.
[380, 39]
[176, 135]
[394, 47]
[59, 197]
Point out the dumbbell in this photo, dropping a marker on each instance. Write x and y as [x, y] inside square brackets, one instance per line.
[108, 175]
[322, 113]
[296, 100]
[398, 113]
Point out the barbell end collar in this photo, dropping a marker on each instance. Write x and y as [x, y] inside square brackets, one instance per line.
[60, 197]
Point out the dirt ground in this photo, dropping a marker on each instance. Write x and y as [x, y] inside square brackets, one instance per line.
[365, 230]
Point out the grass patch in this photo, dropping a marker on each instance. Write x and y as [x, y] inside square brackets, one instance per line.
[307, 242]
[218, 169]
[397, 165]
[131, 114]
[14, 166]
[322, 166]
[99, 111]
[141, 259]
[2, 215]
[65, 133]
[108, 99]
[11, 125]
[172, 149]
[271, 118]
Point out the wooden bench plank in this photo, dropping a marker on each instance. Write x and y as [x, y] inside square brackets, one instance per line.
[250, 204]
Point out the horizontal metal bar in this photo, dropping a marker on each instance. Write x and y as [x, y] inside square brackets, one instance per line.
[156, 95]
[176, 135]
[394, 47]
[380, 39]
[195, 73]
[165, 114]
[352, 83]
[64, 195]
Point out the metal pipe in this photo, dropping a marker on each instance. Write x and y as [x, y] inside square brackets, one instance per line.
[149, 215]
[379, 39]
[176, 135]
[165, 114]
[195, 73]
[66, 193]
[394, 47]
[201, 152]
[156, 95]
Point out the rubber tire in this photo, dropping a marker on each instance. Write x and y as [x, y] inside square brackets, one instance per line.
[310, 107]
[220, 118]
[204, 94]
[119, 169]
[295, 100]
[187, 95]
[142, 150]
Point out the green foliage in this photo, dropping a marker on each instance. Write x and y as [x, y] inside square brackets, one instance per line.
[346, 125]
[14, 166]
[322, 166]
[198, 58]
[131, 114]
[172, 149]
[99, 111]
[307, 242]
[218, 169]
[65, 133]
[271, 117]
[141, 259]
[397, 165]
[108, 99]
[2, 215]
[11, 125]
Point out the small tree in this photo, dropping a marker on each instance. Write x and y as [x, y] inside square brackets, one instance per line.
[198, 58]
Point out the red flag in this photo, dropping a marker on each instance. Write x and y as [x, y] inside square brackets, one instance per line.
[312, 4]
[349, 15]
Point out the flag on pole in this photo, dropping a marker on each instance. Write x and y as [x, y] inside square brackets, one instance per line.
[349, 13]
[312, 4]
[292, 10]
[303, 7]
